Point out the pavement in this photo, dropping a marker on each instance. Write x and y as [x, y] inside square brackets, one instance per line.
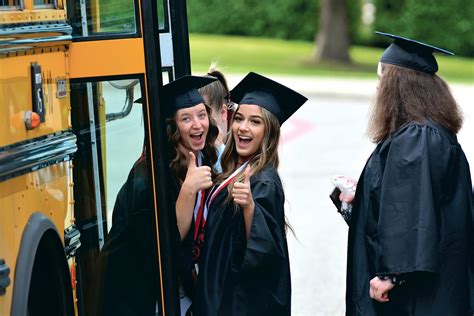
[360, 89]
[327, 137]
[324, 138]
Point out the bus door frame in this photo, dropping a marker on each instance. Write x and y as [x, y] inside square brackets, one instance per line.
[156, 136]
[165, 215]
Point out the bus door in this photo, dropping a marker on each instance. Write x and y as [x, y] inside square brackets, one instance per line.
[121, 51]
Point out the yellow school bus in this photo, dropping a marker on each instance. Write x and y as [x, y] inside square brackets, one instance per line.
[69, 135]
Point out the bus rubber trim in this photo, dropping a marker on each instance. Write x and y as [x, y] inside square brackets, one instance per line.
[4, 276]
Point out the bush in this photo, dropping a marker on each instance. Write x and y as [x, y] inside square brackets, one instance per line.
[447, 24]
[286, 19]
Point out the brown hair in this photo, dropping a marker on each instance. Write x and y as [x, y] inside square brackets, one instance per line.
[215, 93]
[178, 159]
[405, 95]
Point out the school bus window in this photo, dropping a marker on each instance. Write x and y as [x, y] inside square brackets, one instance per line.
[125, 134]
[162, 15]
[112, 207]
[117, 123]
[7, 5]
[92, 17]
[45, 4]
[167, 75]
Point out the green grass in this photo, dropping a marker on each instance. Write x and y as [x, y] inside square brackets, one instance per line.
[237, 54]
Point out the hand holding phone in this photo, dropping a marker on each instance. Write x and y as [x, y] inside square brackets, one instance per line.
[334, 196]
[347, 187]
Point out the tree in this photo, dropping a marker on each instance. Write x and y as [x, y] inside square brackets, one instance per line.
[333, 34]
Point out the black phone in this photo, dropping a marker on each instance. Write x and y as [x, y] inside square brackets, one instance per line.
[334, 196]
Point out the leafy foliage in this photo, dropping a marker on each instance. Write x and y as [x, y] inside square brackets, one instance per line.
[447, 24]
[286, 19]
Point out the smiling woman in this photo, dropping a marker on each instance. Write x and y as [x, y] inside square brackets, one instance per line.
[188, 125]
[191, 136]
[193, 125]
[244, 259]
[248, 130]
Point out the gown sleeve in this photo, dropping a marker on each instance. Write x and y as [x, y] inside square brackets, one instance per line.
[267, 242]
[416, 164]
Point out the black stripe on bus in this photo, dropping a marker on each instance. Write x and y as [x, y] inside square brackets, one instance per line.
[4, 276]
[33, 29]
[37, 153]
[21, 37]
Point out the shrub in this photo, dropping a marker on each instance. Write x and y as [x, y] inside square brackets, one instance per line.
[447, 24]
[286, 19]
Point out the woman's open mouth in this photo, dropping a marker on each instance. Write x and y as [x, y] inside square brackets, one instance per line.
[197, 138]
[244, 141]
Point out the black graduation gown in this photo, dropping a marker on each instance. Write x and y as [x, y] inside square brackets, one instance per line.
[128, 260]
[412, 214]
[240, 277]
[186, 267]
[129, 254]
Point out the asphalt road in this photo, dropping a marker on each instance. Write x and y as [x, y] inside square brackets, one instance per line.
[325, 137]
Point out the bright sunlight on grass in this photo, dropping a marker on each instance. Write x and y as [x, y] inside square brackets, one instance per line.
[237, 54]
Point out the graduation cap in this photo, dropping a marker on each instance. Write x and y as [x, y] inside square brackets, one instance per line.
[408, 53]
[256, 89]
[182, 93]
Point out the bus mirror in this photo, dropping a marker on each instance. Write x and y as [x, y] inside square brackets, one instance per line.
[129, 87]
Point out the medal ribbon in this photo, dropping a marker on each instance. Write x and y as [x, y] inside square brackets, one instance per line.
[199, 221]
[201, 210]
[215, 190]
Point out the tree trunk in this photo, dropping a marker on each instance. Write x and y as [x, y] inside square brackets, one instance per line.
[333, 34]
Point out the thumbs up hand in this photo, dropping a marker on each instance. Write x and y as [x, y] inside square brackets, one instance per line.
[197, 178]
[242, 194]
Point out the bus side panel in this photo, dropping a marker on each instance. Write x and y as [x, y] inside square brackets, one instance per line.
[16, 94]
[42, 280]
[47, 190]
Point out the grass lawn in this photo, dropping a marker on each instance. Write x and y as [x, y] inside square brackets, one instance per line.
[237, 54]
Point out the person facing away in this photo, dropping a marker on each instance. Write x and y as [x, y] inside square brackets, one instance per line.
[411, 235]
[216, 95]
[129, 249]
[131, 244]
[244, 267]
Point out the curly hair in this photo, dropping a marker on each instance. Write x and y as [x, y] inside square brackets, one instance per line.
[178, 159]
[405, 95]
